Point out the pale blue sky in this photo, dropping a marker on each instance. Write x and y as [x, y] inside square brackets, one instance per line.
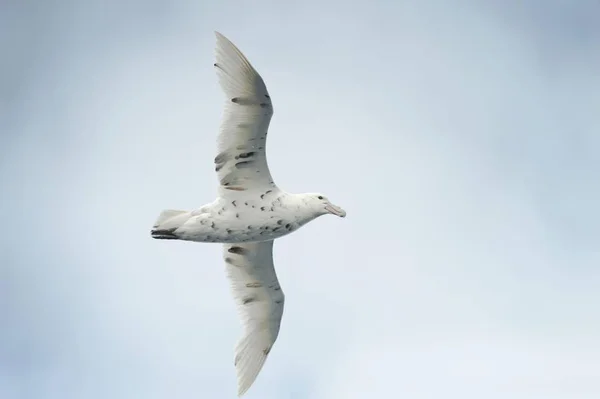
[461, 137]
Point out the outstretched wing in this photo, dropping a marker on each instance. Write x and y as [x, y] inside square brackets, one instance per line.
[241, 163]
[259, 300]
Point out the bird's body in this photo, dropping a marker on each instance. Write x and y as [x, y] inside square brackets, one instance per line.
[250, 211]
[265, 217]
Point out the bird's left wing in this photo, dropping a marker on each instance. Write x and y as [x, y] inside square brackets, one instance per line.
[259, 300]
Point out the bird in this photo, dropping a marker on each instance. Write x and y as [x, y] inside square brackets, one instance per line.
[249, 213]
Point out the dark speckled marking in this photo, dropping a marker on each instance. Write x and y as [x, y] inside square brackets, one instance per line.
[262, 196]
[266, 95]
[243, 101]
[262, 208]
[279, 301]
[288, 226]
[248, 299]
[244, 164]
[237, 215]
[232, 179]
[266, 351]
[234, 203]
[264, 105]
[222, 157]
[280, 222]
[247, 154]
[228, 231]
[277, 288]
[237, 250]
[220, 161]
[232, 262]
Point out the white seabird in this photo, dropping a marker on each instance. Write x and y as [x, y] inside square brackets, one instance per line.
[250, 210]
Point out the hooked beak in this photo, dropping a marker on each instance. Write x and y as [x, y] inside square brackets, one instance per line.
[336, 210]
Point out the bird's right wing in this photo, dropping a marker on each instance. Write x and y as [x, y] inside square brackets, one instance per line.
[241, 162]
[260, 304]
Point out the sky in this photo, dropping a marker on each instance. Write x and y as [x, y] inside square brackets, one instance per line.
[462, 138]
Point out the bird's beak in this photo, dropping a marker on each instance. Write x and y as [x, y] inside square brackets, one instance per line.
[336, 210]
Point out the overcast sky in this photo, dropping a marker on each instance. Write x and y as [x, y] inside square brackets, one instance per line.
[462, 138]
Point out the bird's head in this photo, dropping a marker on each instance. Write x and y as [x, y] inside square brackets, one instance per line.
[321, 205]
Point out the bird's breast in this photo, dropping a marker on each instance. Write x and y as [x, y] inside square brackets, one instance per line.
[245, 223]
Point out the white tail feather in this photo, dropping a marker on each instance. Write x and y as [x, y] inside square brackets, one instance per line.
[171, 218]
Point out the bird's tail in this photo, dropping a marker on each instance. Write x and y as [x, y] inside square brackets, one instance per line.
[168, 221]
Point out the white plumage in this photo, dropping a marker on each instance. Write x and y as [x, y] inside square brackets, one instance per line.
[246, 118]
[260, 305]
[249, 212]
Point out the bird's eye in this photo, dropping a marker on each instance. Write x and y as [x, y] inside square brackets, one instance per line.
[320, 197]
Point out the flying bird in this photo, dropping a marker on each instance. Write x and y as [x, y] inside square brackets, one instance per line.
[250, 210]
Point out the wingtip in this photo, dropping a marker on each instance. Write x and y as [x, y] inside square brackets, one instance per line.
[242, 387]
[241, 391]
[221, 40]
[220, 36]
